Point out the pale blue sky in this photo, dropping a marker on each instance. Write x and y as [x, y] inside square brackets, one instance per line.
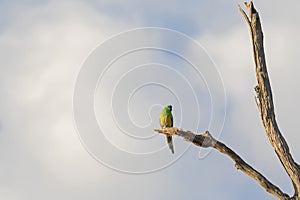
[44, 45]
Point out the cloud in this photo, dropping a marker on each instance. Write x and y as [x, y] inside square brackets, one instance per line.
[42, 49]
[43, 46]
[246, 133]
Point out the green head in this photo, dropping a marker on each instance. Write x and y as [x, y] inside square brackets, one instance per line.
[168, 108]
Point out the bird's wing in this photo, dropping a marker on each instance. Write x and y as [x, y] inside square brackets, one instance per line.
[162, 121]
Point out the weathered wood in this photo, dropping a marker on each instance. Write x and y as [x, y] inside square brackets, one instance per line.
[265, 99]
[206, 140]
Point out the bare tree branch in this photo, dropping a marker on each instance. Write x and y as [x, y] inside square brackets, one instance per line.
[206, 140]
[265, 99]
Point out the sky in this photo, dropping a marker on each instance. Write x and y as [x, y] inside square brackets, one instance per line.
[82, 84]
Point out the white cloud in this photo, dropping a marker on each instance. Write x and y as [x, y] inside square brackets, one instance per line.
[233, 54]
[42, 51]
[42, 48]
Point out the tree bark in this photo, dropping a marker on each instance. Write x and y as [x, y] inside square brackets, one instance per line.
[264, 101]
[206, 140]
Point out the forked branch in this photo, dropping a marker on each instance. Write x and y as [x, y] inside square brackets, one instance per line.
[265, 100]
[266, 108]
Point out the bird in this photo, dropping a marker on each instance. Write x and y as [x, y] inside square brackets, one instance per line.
[166, 120]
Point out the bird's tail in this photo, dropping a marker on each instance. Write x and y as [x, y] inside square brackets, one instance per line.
[170, 143]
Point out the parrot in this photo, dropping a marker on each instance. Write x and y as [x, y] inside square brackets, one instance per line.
[166, 120]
